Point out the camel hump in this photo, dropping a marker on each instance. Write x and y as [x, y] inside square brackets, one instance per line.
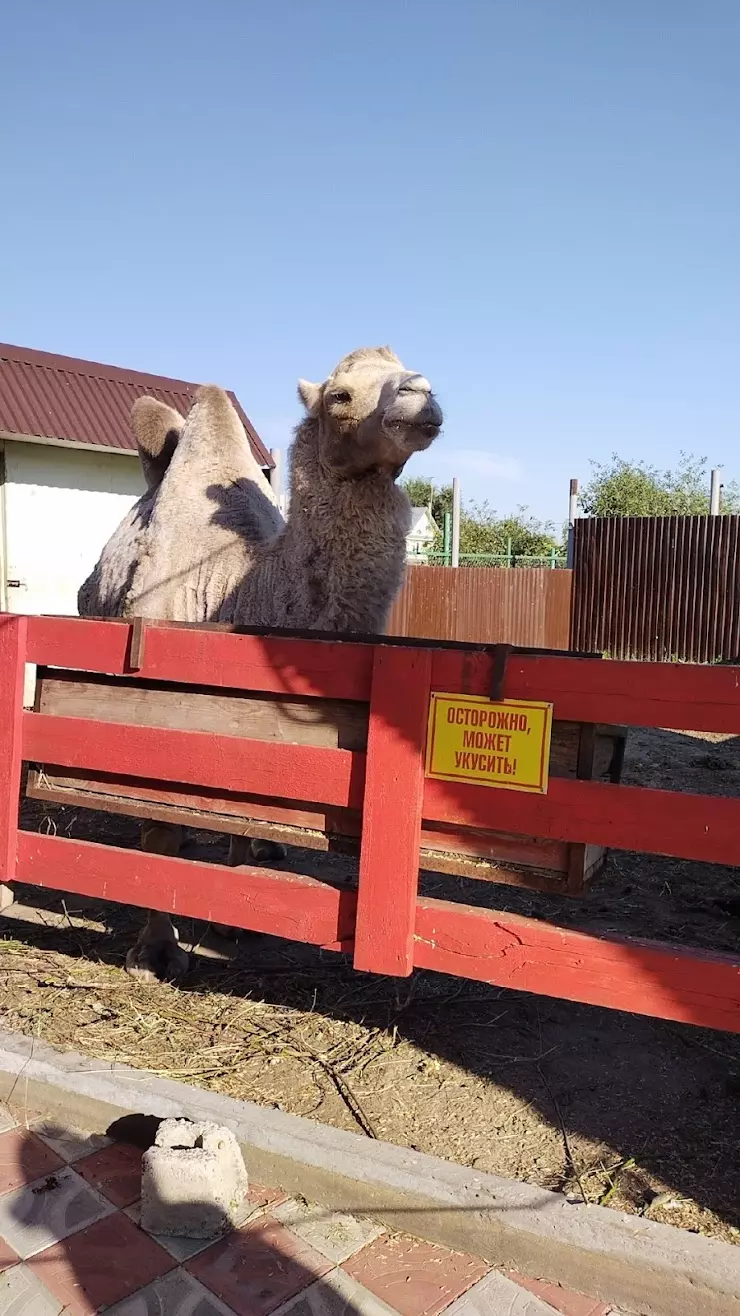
[217, 414]
[157, 429]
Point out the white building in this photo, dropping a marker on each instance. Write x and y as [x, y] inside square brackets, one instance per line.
[69, 469]
[421, 535]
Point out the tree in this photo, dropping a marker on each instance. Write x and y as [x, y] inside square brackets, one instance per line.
[481, 529]
[624, 488]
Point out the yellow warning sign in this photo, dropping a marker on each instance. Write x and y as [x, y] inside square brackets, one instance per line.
[504, 744]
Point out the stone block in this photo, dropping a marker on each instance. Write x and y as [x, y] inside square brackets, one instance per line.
[193, 1180]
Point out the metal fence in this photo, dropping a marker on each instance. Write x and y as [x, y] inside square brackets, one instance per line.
[530, 608]
[657, 588]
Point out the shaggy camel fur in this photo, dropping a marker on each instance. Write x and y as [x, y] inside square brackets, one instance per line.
[207, 543]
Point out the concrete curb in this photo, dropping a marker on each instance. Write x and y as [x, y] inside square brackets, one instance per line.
[649, 1268]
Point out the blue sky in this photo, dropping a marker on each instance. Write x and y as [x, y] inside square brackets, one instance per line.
[535, 202]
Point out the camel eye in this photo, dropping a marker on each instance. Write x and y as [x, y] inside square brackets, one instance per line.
[341, 395]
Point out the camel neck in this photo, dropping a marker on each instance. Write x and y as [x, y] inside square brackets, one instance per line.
[346, 537]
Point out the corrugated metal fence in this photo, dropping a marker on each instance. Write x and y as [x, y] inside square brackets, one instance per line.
[490, 605]
[660, 588]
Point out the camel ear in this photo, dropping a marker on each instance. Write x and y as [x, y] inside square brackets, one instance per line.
[310, 396]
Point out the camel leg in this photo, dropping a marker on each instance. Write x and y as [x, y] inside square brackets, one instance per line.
[241, 850]
[157, 955]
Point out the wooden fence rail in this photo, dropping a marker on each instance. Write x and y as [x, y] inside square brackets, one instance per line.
[385, 924]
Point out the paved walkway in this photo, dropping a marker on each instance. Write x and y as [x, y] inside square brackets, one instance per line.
[70, 1245]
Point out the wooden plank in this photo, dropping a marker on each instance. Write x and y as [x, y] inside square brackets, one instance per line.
[329, 723]
[702, 827]
[12, 670]
[213, 807]
[500, 874]
[299, 772]
[206, 655]
[182, 816]
[283, 904]
[73, 642]
[391, 815]
[682, 696]
[660, 980]
[497, 846]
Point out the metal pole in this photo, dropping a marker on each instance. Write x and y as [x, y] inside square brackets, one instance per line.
[715, 492]
[455, 522]
[572, 514]
[447, 540]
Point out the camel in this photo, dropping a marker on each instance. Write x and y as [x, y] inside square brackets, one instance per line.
[206, 542]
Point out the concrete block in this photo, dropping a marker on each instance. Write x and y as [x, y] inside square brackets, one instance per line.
[193, 1180]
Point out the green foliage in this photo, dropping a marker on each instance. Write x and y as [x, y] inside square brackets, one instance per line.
[481, 529]
[624, 488]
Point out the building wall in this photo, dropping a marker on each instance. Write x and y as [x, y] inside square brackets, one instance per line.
[60, 505]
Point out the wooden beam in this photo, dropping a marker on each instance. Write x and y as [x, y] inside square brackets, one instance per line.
[703, 827]
[282, 904]
[12, 671]
[206, 656]
[642, 977]
[297, 772]
[391, 814]
[684, 696]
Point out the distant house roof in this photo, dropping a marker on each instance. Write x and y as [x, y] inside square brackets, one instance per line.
[60, 399]
[422, 524]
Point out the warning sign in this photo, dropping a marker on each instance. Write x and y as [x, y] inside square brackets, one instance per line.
[505, 744]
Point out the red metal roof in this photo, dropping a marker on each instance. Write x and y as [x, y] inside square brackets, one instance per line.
[59, 397]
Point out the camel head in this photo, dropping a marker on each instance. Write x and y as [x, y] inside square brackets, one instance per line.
[372, 413]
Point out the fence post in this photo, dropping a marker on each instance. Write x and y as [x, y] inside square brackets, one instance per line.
[572, 514]
[447, 538]
[455, 562]
[391, 817]
[12, 672]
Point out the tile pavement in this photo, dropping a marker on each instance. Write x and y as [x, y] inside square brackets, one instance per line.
[70, 1245]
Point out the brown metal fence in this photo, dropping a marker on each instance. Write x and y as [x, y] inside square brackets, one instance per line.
[529, 607]
[657, 588]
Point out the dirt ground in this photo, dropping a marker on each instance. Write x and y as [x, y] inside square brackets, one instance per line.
[611, 1108]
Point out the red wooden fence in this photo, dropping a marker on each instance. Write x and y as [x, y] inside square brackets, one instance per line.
[387, 926]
